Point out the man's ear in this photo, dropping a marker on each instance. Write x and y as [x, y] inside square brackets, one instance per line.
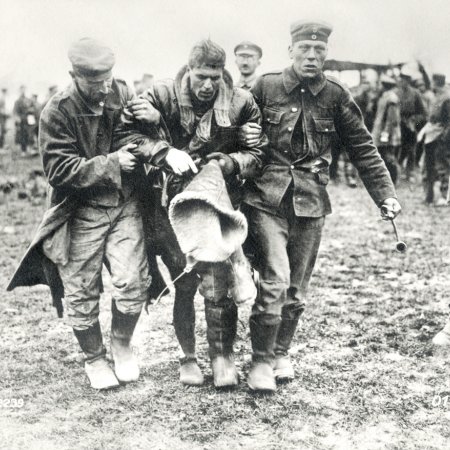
[72, 74]
[290, 51]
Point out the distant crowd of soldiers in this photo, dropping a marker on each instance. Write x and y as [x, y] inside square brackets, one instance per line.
[409, 118]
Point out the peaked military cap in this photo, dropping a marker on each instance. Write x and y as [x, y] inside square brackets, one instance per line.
[310, 31]
[245, 46]
[91, 58]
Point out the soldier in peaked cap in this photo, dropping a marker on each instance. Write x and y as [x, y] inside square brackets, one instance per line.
[303, 112]
[248, 58]
[91, 159]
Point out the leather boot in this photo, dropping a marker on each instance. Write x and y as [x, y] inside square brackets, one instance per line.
[243, 287]
[261, 376]
[100, 375]
[283, 369]
[122, 328]
[442, 339]
[184, 324]
[221, 320]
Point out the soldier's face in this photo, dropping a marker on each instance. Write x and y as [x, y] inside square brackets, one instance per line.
[205, 82]
[95, 91]
[308, 57]
[247, 62]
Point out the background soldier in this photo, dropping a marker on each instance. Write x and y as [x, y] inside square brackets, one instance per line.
[437, 142]
[302, 110]
[248, 58]
[386, 129]
[413, 117]
[25, 120]
[3, 116]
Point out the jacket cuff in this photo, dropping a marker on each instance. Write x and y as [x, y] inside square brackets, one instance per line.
[113, 168]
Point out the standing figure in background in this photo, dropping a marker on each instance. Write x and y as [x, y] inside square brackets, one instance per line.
[3, 116]
[248, 58]
[386, 131]
[436, 135]
[25, 120]
[428, 99]
[413, 117]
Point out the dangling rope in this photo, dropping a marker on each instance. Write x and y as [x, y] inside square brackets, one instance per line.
[186, 270]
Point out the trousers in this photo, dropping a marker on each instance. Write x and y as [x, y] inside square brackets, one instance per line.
[112, 236]
[286, 248]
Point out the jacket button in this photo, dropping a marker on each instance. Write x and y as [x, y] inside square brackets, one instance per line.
[292, 167]
[294, 109]
[302, 90]
[289, 128]
[326, 129]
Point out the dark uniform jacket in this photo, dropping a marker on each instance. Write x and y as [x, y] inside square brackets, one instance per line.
[301, 122]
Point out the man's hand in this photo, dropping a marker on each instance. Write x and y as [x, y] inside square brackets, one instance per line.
[127, 161]
[142, 110]
[390, 209]
[249, 134]
[226, 163]
[180, 162]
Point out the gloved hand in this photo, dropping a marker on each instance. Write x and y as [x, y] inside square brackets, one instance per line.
[390, 209]
[226, 163]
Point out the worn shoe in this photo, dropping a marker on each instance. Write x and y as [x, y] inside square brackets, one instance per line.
[126, 366]
[224, 371]
[190, 373]
[261, 377]
[100, 375]
[442, 339]
[283, 369]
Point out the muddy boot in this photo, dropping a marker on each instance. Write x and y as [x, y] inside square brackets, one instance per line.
[442, 339]
[221, 320]
[283, 369]
[261, 376]
[184, 324]
[122, 328]
[190, 373]
[100, 375]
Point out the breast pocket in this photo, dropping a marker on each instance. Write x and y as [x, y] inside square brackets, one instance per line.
[271, 123]
[324, 133]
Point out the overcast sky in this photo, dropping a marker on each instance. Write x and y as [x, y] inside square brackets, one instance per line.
[155, 36]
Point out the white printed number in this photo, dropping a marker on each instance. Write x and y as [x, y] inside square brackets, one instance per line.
[439, 400]
[11, 403]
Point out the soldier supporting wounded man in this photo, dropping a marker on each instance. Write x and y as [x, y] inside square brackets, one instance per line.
[95, 215]
[303, 111]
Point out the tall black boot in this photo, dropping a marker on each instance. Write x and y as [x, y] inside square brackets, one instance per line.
[97, 369]
[283, 368]
[263, 331]
[184, 324]
[122, 329]
[221, 320]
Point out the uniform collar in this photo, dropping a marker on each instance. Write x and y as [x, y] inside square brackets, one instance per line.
[247, 81]
[291, 81]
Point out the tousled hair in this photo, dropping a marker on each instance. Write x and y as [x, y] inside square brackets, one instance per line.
[208, 53]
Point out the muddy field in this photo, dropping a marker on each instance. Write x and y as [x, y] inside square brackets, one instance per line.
[367, 374]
